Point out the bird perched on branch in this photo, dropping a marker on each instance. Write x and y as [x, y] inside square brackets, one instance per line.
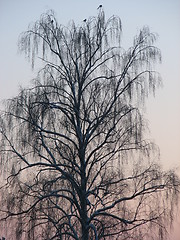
[100, 6]
[85, 20]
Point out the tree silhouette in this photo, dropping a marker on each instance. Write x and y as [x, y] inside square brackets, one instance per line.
[79, 165]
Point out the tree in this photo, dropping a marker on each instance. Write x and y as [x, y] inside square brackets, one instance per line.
[79, 164]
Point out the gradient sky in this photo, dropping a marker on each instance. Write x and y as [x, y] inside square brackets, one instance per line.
[162, 16]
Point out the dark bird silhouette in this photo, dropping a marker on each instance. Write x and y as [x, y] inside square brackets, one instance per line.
[100, 6]
[52, 21]
[85, 20]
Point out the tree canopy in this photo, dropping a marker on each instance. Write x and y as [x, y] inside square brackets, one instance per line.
[74, 143]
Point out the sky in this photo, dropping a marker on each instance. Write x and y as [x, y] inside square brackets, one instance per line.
[162, 16]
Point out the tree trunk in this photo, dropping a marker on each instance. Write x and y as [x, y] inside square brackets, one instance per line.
[85, 233]
[84, 216]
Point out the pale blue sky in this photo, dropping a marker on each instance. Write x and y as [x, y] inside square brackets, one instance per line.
[162, 16]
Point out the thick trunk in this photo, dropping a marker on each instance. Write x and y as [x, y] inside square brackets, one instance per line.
[83, 195]
[84, 216]
[85, 234]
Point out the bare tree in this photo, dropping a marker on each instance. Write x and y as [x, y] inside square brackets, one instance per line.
[79, 167]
